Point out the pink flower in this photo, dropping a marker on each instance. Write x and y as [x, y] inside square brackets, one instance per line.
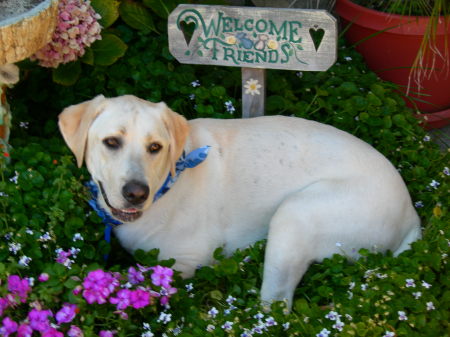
[106, 333]
[98, 285]
[24, 331]
[139, 298]
[135, 276]
[75, 331]
[8, 327]
[122, 300]
[166, 293]
[52, 332]
[43, 277]
[77, 28]
[19, 287]
[39, 319]
[66, 314]
[162, 276]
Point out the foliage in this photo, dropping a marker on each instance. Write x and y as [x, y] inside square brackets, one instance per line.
[43, 208]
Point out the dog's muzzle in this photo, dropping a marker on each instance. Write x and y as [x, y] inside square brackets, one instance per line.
[136, 195]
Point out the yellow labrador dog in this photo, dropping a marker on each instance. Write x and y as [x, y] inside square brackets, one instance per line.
[309, 188]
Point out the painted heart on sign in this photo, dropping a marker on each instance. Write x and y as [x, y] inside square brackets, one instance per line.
[188, 30]
[316, 35]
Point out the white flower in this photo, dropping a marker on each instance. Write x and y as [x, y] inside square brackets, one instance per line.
[446, 171]
[333, 316]
[189, 287]
[417, 295]
[435, 184]
[347, 58]
[192, 97]
[29, 231]
[210, 328]
[258, 316]
[402, 316]
[270, 321]
[15, 178]
[410, 283]
[45, 237]
[338, 326]
[252, 87]
[147, 334]
[195, 83]
[324, 333]
[164, 318]
[351, 285]
[229, 106]
[426, 138]
[426, 285]
[227, 326]
[286, 326]
[230, 299]
[14, 247]
[364, 286]
[77, 237]
[389, 334]
[24, 261]
[349, 317]
[418, 204]
[24, 125]
[213, 312]
[430, 306]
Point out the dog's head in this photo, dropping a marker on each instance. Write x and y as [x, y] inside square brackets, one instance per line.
[129, 145]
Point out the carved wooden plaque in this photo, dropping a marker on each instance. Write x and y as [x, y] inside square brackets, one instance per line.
[253, 37]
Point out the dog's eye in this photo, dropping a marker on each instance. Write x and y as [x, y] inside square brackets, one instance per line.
[112, 142]
[154, 148]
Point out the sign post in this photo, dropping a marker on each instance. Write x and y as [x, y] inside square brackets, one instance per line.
[254, 39]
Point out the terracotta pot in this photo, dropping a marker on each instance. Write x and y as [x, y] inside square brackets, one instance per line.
[391, 54]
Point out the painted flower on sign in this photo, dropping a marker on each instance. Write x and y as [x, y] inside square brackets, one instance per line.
[272, 44]
[252, 87]
[231, 39]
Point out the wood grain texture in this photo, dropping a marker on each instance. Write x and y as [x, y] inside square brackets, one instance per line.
[253, 92]
[252, 37]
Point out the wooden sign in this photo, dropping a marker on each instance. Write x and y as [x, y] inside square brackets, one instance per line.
[253, 37]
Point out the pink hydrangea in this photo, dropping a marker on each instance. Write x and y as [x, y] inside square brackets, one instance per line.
[77, 28]
[98, 285]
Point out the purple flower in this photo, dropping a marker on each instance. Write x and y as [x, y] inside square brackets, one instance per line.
[24, 330]
[8, 327]
[39, 319]
[98, 285]
[410, 283]
[66, 314]
[52, 332]
[135, 276]
[63, 258]
[75, 331]
[106, 333]
[162, 276]
[166, 293]
[139, 298]
[19, 287]
[122, 300]
[402, 316]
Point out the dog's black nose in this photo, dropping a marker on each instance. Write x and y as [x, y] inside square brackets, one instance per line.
[135, 192]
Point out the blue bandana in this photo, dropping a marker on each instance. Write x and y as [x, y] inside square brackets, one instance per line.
[191, 160]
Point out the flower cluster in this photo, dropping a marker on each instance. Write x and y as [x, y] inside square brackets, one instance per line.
[77, 28]
[98, 287]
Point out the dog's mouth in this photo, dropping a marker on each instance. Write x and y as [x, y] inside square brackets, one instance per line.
[125, 215]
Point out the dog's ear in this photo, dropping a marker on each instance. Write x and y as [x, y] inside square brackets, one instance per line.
[178, 128]
[74, 123]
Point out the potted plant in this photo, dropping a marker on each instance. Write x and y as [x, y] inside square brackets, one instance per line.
[405, 42]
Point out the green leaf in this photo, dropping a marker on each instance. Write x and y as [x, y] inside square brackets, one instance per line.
[136, 16]
[88, 57]
[108, 10]
[67, 74]
[218, 91]
[108, 50]
[229, 266]
[160, 7]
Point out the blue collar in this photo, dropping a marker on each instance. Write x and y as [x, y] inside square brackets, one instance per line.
[191, 160]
